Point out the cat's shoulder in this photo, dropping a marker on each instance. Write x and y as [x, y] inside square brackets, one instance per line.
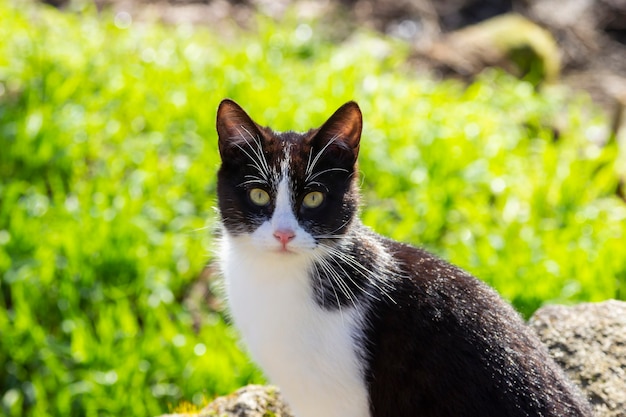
[417, 262]
[422, 274]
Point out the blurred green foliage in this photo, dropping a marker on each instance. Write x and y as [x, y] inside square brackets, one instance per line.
[107, 189]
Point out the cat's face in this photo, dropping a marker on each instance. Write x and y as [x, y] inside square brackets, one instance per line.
[287, 193]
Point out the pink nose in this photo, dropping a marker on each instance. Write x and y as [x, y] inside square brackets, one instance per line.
[284, 236]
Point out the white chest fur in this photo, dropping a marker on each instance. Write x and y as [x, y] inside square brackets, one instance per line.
[309, 352]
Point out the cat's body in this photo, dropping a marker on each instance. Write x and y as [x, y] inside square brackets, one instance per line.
[349, 323]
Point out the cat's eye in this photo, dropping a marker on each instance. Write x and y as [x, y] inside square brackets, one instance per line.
[313, 199]
[259, 197]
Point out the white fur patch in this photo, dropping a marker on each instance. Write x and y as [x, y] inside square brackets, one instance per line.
[309, 352]
[283, 217]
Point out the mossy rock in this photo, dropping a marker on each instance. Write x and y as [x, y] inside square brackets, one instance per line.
[509, 41]
[249, 401]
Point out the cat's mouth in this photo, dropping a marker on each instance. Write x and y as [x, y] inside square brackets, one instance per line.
[290, 249]
[286, 249]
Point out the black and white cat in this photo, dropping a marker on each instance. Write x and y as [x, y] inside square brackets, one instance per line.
[349, 323]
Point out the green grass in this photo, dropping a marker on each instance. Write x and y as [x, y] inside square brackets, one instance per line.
[107, 187]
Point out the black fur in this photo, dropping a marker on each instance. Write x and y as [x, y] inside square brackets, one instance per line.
[449, 346]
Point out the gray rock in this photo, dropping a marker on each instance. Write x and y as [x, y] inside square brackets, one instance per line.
[589, 342]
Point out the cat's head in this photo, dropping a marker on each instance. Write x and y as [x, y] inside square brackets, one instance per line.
[287, 192]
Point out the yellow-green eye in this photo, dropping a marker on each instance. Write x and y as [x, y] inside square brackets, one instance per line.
[259, 197]
[313, 199]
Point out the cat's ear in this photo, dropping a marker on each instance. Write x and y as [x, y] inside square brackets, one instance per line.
[234, 127]
[341, 134]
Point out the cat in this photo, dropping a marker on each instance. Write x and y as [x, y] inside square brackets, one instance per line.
[349, 323]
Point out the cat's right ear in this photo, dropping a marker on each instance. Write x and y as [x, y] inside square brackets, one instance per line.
[234, 128]
[341, 134]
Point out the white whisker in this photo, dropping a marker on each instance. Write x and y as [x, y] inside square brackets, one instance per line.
[332, 234]
[256, 156]
[258, 181]
[322, 263]
[259, 150]
[310, 178]
[254, 163]
[310, 167]
[373, 278]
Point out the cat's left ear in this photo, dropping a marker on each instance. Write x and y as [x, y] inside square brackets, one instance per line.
[341, 134]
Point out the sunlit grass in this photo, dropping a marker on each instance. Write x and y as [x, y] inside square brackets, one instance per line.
[107, 189]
